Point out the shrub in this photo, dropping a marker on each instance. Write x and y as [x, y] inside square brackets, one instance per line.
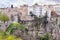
[44, 37]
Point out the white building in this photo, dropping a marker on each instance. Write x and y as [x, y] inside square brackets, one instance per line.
[57, 8]
[39, 10]
[35, 9]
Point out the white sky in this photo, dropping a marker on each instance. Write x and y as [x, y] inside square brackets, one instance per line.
[7, 3]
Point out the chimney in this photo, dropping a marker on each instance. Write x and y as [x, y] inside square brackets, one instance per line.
[11, 6]
[36, 4]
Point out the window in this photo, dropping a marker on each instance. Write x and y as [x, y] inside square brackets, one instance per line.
[12, 18]
[0, 25]
[18, 18]
[23, 22]
[31, 14]
[59, 25]
[20, 13]
[5, 25]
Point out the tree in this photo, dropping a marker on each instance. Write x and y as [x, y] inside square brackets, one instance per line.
[16, 26]
[4, 17]
[36, 23]
[44, 20]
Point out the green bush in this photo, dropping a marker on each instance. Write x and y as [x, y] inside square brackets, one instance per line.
[4, 36]
[44, 37]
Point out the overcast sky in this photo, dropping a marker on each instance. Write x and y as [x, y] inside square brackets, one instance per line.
[7, 3]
